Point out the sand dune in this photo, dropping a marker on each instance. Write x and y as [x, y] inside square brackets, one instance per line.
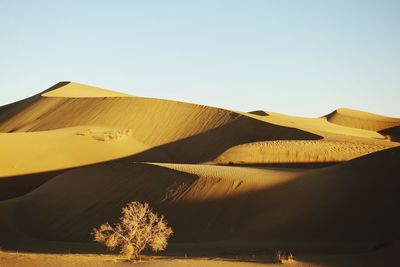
[73, 155]
[217, 202]
[293, 151]
[198, 133]
[362, 120]
[321, 126]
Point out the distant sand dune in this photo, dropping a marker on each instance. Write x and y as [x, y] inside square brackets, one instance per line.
[297, 151]
[362, 120]
[321, 126]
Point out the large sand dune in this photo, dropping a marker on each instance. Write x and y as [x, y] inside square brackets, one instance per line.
[73, 155]
[184, 132]
[207, 203]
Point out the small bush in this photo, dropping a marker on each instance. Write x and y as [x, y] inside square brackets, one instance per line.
[138, 228]
[282, 256]
[116, 134]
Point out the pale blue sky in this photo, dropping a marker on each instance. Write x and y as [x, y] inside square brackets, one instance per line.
[295, 57]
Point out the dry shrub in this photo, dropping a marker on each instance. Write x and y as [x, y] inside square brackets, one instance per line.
[282, 256]
[138, 228]
[116, 134]
[85, 132]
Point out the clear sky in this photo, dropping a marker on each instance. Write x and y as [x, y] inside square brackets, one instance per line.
[295, 57]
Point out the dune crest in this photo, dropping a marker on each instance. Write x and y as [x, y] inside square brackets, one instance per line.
[76, 90]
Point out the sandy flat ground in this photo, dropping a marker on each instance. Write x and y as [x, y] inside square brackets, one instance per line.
[387, 257]
[26, 259]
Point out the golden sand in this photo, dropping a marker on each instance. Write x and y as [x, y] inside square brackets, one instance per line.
[75, 154]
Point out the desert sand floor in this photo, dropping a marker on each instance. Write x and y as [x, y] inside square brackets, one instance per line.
[234, 186]
[386, 257]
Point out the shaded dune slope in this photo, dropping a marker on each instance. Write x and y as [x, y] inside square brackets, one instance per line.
[346, 202]
[15, 186]
[392, 133]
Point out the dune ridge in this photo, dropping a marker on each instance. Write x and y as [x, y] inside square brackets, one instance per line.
[77, 90]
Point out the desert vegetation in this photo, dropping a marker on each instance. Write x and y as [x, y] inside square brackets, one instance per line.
[282, 256]
[109, 135]
[139, 228]
[116, 134]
